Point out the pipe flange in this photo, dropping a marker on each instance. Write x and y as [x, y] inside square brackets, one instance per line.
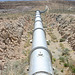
[41, 47]
[41, 72]
[41, 29]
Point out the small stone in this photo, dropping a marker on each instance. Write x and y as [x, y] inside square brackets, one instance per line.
[1, 50]
[1, 18]
[1, 67]
[1, 57]
[3, 60]
[5, 67]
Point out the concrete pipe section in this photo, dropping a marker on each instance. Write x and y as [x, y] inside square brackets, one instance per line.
[40, 57]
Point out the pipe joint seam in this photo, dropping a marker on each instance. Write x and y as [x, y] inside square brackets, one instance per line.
[41, 47]
[37, 16]
[38, 20]
[41, 72]
[41, 29]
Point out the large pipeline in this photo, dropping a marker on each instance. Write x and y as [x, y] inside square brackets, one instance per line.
[40, 56]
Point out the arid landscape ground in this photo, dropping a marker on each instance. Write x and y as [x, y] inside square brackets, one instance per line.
[16, 29]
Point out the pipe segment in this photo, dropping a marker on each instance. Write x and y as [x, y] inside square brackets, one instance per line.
[40, 57]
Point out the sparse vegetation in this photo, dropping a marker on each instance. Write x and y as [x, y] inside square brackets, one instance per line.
[67, 63]
[61, 45]
[62, 59]
[17, 67]
[62, 70]
[25, 52]
[53, 37]
[27, 43]
[49, 29]
[65, 51]
[72, 67]
[31, 32]
[44, 26]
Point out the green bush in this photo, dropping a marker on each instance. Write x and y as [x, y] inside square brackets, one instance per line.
[48, 43]
[62, 59]
[62, 39]
[66, 64]
[73, 69]
[62, 70]
[54, 59]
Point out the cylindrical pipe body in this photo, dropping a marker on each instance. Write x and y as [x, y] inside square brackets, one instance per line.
[40, 60]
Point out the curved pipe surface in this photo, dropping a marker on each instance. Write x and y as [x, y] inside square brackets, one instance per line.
[40, 58]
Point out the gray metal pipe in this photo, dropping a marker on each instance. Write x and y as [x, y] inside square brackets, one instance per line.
[40, 57]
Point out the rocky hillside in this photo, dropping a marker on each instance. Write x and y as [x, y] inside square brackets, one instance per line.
[57, 28]
[67, 28]
[15, 34]
[14, 4]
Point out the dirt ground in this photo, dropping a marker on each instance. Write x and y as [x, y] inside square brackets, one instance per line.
[16, 32]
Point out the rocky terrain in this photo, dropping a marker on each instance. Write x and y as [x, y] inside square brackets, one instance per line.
[57, 33]
[67, 28]
[16, 33]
